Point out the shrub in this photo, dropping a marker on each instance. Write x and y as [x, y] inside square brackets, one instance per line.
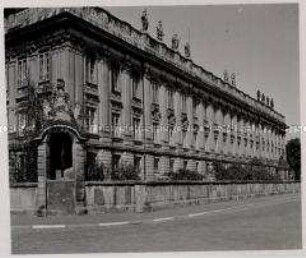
[185, 174]
[125, 172]
[253, 171]
[95, 172]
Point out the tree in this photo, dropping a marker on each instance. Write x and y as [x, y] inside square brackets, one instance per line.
[293, 150]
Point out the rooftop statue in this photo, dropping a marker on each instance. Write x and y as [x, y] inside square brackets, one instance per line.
[175, 42]
[187, 50]
[160, 31]
[233, 79]
[144, 20]
[272, 103]
[268, 101]
[258, 95]
[225, 76]
[263, 98]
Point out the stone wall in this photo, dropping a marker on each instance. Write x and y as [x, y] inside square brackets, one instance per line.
[23, 197]
[149, 196]
[126, 196]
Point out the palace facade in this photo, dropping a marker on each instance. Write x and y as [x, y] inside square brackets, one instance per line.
[84, 86]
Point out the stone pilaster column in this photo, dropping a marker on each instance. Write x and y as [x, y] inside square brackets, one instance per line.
[12, 85]
[42, 178]
[247, 149]
[63, 70]
[210, 144]
[177, 112]
[163, 110]
[219, 121]
[79, 78]
[147, 108]
[201, 117]
[55, 66]
[226, 127]
[189, 135]
[234, 145]
[104, 97]
[126, 118]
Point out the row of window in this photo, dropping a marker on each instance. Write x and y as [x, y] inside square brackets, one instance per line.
[44, 69]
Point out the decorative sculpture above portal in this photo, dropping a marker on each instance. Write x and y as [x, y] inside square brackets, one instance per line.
[187, 50]
[175, 42]
[58, 108]
[144, 20]
[160, 31]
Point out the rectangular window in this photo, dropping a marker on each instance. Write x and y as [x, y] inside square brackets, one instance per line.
[185, 163]
[22, 71]
[114, 77]
[184, 138]
[22, 121]
[170, 133]
[136, 88]
[184, 103]
[170, 98]
[44, 66]
[137, 162]
[136, 129]
[90, 119]
[115, 161]
[194, 106]
[195, 134]
[155, 132]
[115, 125]
[197, 166]
[90, 70]
[156, 163]
[155, 92]
[171, 165]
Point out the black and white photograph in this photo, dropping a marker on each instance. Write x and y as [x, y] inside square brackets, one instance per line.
[153, 128]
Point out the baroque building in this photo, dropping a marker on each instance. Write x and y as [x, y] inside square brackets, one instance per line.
[85, 86]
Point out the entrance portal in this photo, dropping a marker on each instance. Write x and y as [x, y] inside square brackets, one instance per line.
[60, 155]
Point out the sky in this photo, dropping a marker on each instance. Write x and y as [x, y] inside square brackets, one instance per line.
[260, 43]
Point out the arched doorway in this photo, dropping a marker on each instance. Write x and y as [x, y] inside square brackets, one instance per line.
[60, 155]
[61, 161]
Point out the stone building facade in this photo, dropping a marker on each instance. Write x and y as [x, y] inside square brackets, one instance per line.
[83, 85]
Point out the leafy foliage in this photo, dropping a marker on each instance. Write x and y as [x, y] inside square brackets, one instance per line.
[125, 172]
[185, 174]
[23, 164]
[253, 171]
[95, 172]
[293, 150]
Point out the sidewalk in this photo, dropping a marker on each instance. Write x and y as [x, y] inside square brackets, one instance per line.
[107, 219]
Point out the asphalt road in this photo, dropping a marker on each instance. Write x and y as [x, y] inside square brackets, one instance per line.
[268, 225]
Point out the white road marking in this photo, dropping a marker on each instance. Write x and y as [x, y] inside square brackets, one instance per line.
[163, 219]
[113, 223]
[47, 226]
[238, 208]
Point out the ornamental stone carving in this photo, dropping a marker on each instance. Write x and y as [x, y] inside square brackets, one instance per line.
[187, 50]
[225, 76]
[58, 107]
[160, 31]
[233, 79]
[144, 20]
[175, 42]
